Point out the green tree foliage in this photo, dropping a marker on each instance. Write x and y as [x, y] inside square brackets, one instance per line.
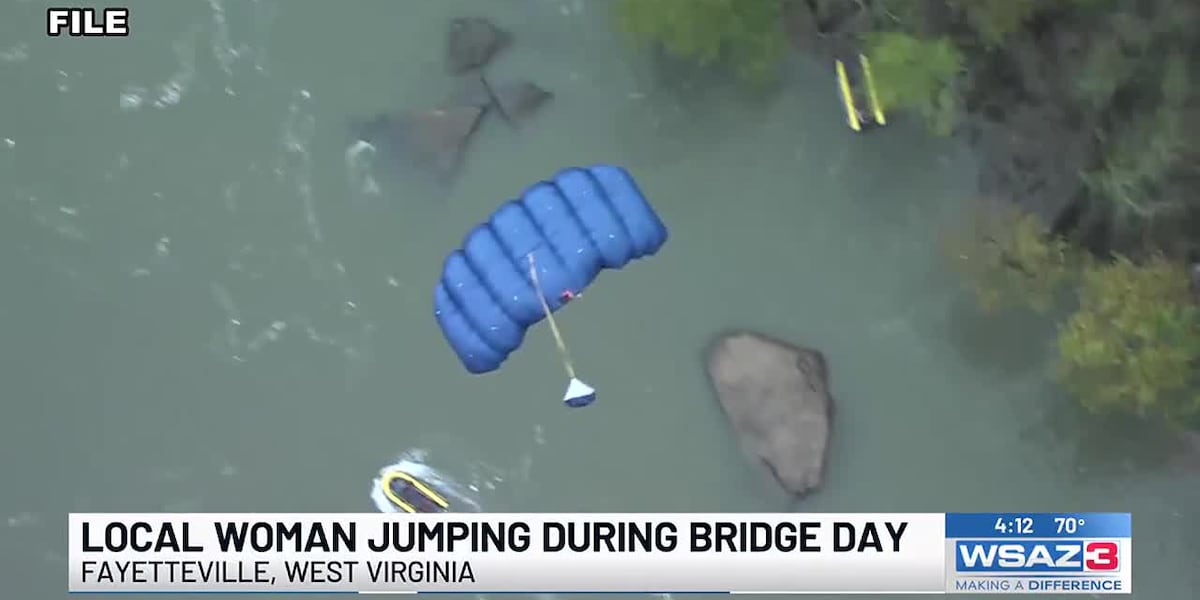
[746, 35]
[1134, 344]
[1144, 151]
[1138, 79]
[993, 20]
[1105, 70]
[1009, 259]
[1129, 70]
[917, 74]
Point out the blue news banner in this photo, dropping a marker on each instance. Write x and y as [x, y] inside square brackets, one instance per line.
[1050, 553]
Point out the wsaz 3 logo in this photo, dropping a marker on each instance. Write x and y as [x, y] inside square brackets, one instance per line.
[1041, 557]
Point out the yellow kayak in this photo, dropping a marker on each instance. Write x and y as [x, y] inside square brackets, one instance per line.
[864, 84]
[410, 494]
[411, 486]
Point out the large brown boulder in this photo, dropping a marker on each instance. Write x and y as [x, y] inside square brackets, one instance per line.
[777, 398]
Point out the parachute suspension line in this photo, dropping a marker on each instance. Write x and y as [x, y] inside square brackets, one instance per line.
[558, 338]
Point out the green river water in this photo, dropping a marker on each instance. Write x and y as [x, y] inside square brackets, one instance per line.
[211, 303]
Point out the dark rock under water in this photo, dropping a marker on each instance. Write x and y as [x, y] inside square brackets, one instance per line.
[432, 140]
[472, 42]
[515, 100]
[435, 141]
[518, 100]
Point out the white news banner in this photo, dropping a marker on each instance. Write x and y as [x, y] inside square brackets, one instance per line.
[536, 553]
[989, 553]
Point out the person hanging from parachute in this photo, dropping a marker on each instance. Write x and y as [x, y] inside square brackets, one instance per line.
[556, 237]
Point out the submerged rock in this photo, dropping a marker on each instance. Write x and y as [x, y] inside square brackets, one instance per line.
[777, 399]
[472, 42]
[434, 140]
[518, 100]
[514, 100]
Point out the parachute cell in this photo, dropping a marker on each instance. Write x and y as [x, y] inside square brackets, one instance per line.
[580, 222]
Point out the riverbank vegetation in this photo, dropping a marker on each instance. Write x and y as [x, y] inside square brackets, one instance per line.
[918, 74]
[1086, 115]
[1007, 259]
[1133, 344]
[745, 37]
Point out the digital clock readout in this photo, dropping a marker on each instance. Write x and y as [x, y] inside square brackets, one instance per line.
[1025, 525]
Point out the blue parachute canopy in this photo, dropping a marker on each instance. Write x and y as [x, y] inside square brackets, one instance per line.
[578, 223]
